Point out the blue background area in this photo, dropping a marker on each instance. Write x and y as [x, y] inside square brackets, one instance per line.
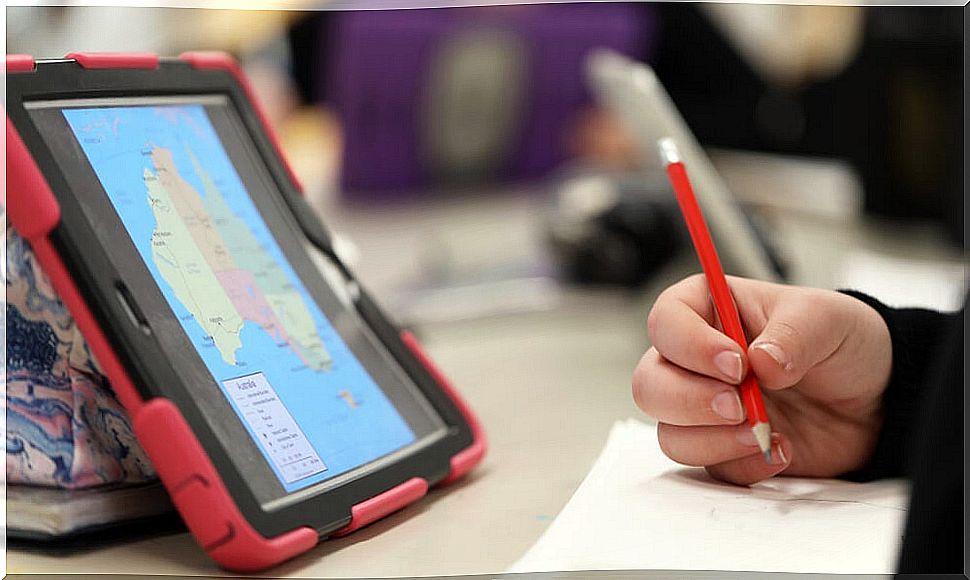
[118, 141]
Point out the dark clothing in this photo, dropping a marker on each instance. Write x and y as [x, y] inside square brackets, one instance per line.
[902, 88]
[922, 434]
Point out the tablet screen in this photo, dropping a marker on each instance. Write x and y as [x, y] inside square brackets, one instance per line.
[305, 399]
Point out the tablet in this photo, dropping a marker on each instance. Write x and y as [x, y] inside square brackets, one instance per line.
[632, 91]
[276, 401]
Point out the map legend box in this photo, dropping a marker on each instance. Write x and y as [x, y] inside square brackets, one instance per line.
[279, 435]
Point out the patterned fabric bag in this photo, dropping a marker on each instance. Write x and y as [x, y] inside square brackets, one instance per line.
[65, 427]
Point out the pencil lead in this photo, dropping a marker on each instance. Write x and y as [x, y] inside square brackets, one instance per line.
[762, 434]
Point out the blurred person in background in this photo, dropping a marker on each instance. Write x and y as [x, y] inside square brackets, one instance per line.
[473, 95]
[458, 96]
[496, 93]
[880, 86]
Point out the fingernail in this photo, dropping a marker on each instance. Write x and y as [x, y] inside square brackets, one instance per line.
[730, 365]
[775, 352]
[727, 404]
[777, 455]
[746, 437]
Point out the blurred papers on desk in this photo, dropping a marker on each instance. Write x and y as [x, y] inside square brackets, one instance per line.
[638, 510]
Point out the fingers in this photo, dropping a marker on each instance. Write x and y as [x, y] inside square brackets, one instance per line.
[687, 379]
[706, 445]
[677, 396]
[753, 468]
[801, 332]
[730, 453]
[679, 327]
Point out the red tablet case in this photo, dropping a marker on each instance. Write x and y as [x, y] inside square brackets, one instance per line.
[186, 471]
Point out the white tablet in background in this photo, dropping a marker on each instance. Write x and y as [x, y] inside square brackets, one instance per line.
[632, 92]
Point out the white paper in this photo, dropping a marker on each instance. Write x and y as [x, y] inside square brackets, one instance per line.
[903, 282]
[638, 510]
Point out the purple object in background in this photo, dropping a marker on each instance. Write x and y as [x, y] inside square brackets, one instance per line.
[436, 96]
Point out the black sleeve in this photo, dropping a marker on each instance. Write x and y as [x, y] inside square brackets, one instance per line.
[922, 434]
[918, 338]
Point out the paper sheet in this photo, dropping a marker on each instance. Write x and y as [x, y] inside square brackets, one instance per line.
[902, 282]
[638, 510]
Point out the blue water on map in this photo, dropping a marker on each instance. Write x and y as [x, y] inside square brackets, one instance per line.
[117, 142]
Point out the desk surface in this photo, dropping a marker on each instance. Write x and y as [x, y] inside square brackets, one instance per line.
[547, 385]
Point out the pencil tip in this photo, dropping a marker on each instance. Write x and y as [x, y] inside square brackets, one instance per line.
[762, 434]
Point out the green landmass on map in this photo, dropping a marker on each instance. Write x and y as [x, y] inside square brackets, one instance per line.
[220, 271]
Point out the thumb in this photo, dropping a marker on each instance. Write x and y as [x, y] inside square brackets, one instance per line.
[800, 333]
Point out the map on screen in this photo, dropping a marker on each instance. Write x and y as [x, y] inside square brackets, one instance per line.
[305, 399]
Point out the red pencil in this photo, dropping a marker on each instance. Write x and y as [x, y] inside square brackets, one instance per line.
[727, 311]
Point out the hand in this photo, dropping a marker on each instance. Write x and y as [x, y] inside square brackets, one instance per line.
[822, 359]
